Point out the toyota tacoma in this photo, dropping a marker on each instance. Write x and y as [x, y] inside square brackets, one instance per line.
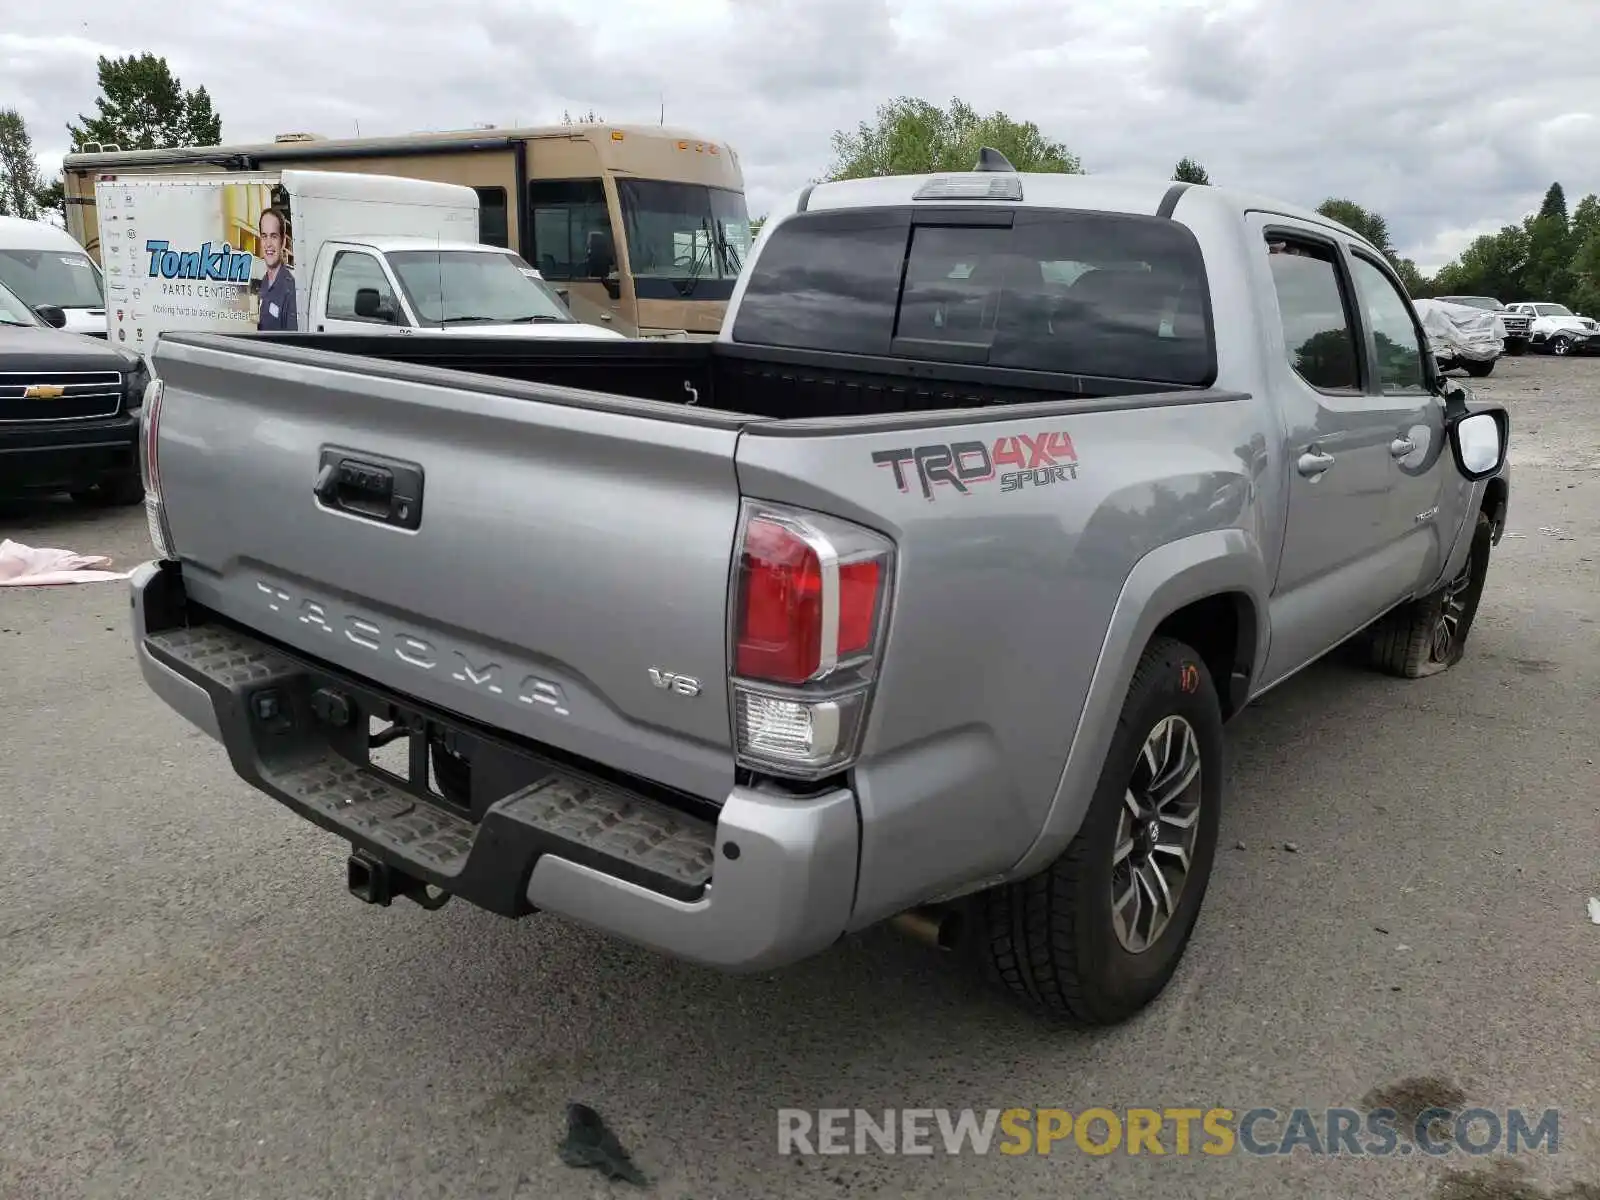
[921, 595]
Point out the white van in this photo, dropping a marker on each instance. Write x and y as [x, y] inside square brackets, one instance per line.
[44, 265]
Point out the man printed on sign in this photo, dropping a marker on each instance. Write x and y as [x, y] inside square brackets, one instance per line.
[277, 288]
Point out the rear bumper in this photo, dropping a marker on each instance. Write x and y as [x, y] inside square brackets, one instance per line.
[768, 880]
[68, 454]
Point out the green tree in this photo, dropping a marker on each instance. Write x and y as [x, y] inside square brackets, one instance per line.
[1494, 265]
[1367, 223]
[143, 106]
[1189, 171]
[1416, 284]
[52, 198]
[1555, 203]
[21, 185]
[1372, 226]
[1585, 221]
[1550, 249]
[1585, 266]
[908, 136]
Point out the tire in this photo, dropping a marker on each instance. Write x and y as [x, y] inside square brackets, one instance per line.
[1053, 939]
[1516, 348]
[1429, 635]
[1478, 370]
[121, 492]
[1560, 345]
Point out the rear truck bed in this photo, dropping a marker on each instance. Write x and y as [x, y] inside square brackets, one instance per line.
[716, 675]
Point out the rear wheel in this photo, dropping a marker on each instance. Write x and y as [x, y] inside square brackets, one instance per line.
[1429, 634]
[1478, 369]
[1560, 345]
[1096, 936]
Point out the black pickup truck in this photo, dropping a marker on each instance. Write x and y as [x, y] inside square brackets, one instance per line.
[69, 409]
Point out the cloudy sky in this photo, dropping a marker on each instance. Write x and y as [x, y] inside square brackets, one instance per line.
[1451, 117]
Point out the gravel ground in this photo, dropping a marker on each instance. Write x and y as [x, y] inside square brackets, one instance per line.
[191, 1004]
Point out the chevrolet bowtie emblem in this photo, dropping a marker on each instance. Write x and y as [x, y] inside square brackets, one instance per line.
[43, 391]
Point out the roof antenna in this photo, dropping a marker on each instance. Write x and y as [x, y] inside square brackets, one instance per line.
[990, 159]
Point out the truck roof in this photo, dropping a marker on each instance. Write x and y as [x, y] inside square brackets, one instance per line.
[1100, 193]
[399, 243]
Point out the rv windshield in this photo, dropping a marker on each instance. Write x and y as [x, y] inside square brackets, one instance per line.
[64, 278]
[683, 238]
[448, 287]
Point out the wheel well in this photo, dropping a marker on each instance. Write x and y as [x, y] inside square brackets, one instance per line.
[1222, 630]
[1494, 503]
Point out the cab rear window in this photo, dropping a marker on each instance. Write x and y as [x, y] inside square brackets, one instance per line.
[1096, 294]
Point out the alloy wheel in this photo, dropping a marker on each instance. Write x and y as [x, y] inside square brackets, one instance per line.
[1156, 834]
[1452, 610]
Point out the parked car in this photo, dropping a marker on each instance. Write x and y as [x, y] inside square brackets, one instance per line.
[922, 594]
[1514, 324]
[43, 265]
[1556, 329]
[69, 409]
[1462, 335]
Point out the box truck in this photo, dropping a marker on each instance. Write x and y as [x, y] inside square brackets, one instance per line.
[267, 251]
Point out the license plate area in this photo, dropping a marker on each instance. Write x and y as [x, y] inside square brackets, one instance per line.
[419, 753]
[423, 754]
[413, 753]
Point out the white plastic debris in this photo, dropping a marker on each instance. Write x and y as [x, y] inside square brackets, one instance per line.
[30, 566]
[1594, 909]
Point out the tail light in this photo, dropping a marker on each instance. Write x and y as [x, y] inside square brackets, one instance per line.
[150, 469]
[810, 605]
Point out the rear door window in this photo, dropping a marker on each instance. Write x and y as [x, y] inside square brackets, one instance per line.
[1318, 331]
[1092, 294]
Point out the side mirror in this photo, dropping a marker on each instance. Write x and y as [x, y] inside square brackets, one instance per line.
[1479, 441]
[52, 315]
[368, 306]
[565, 296]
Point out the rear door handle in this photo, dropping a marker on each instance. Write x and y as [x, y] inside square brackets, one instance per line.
[1401, 447]
[1313, 463]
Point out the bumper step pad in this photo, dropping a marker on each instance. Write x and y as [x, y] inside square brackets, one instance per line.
[287, 753]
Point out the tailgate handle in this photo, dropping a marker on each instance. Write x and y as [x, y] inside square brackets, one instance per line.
[370, 486]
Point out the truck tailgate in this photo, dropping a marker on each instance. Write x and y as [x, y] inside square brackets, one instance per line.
[570, 555]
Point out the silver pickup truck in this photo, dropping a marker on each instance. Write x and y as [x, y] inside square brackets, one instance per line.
[921, 595]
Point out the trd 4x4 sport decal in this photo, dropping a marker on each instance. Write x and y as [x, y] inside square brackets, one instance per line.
[1035, 461]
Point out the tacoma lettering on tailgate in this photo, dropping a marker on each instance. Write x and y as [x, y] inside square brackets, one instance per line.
[478, 673]
[1036, 460]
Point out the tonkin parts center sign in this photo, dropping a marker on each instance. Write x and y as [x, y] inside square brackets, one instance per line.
[191, 254]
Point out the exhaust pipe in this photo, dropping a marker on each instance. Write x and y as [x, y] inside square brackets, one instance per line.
[933, 925]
